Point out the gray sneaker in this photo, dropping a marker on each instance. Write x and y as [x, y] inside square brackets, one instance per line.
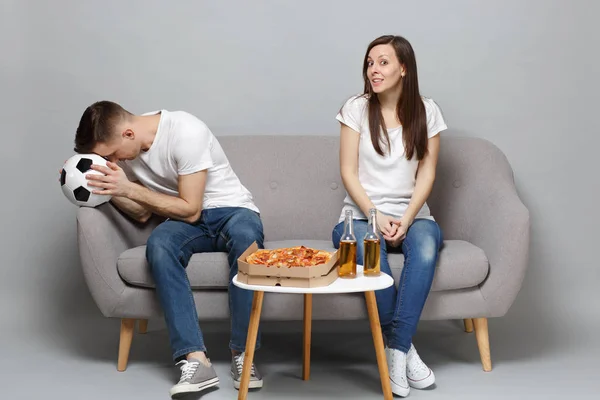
[195, 376]
[237, 364]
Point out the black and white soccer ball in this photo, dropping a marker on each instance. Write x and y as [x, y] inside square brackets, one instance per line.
[74, 184]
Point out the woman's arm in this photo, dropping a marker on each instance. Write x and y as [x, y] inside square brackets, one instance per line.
[349, 140]
[423, 186]
[425, 179]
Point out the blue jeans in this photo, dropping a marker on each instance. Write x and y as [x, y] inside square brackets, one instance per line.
[400, 308]
[169, 249]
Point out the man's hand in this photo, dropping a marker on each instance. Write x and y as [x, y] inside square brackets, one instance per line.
[114, 182]
[60, 171]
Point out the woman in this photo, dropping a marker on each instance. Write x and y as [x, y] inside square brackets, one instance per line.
[388, 154]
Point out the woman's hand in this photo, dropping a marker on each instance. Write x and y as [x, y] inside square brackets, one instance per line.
[387, 225]
[400, 234]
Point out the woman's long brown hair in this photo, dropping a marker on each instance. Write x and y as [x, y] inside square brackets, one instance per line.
[410, 108]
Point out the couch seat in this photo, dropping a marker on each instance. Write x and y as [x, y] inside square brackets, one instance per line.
[461, 265]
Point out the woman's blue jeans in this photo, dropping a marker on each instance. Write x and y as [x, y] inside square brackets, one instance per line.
[400, 308]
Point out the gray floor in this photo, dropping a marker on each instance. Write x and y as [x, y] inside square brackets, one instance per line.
[79, 363]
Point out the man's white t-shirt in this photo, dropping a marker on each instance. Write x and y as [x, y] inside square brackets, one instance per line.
[388, 180]
[183, 145]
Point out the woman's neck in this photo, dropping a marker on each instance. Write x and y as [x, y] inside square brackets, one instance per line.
[390, 98]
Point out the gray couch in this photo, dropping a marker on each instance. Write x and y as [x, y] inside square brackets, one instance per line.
[296, 184]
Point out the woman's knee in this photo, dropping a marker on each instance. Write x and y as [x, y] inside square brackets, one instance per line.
[336, 234]
[423, 241]
[427, 251]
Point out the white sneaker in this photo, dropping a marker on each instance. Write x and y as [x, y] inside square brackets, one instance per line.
[396, 361]
[419, 375]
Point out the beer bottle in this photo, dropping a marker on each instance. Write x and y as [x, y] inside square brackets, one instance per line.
[347, 261]
[372, 246]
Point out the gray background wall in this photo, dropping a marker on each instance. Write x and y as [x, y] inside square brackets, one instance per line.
[519, 73]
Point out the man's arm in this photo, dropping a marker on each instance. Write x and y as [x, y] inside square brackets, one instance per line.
[187, 207]
[131, 208]
[193, 159]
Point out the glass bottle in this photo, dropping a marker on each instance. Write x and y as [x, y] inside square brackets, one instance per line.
[347, 261]
[372, 247]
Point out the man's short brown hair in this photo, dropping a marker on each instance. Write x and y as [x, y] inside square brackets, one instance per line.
[97, 125]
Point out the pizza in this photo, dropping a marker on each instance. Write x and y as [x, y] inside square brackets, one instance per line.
[298, 256]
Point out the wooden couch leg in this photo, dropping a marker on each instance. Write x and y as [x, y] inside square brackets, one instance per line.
[468, 325]
[127, 327]
[483, 342]
[143, 325]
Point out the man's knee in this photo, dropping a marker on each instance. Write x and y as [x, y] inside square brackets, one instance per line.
[247, 228]
[159, 243]
[244, 236]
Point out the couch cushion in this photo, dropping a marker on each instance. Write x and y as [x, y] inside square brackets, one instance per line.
[461, 265]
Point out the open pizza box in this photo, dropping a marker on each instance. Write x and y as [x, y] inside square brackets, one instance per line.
[313, 276]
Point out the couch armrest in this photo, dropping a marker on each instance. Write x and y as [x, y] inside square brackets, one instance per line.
[501, 228]
[475, 199]
[103, 233]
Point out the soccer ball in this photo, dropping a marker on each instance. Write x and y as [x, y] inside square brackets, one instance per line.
[74, 184]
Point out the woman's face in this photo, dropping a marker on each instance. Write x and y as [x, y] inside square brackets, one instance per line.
[384, 70]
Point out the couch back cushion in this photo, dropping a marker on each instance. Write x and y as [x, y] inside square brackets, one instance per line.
[296, 183]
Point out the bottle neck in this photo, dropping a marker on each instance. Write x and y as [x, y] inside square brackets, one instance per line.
[372, 227]
[349, 226]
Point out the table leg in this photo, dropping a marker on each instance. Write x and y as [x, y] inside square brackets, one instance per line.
[378, 341]
[306, 336]
[251, 343]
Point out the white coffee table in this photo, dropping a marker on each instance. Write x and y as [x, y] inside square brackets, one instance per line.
[361, 283]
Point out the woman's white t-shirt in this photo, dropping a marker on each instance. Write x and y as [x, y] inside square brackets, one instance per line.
[183, 145]
[388, 180]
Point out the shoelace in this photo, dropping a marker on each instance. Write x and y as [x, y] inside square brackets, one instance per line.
[239, 364]
[415, 364]
[187, 369]
[395, 367]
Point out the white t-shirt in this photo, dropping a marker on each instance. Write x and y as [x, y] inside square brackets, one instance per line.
[388, 180]
[183, 145]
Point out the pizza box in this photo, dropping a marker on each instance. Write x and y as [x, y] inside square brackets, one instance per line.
[284, 281]
[314, 271]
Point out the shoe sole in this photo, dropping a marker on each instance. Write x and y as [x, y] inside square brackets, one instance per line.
[196, 387]
[422, 383]
[251, 384]
[399, 390]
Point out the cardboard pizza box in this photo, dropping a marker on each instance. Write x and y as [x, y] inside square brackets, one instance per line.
[314, 271]
[318, 281]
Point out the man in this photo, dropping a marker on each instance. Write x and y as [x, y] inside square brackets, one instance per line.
[170, 164]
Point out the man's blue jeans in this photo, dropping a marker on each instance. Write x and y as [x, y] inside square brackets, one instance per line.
[400, 308]
[168, 251]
